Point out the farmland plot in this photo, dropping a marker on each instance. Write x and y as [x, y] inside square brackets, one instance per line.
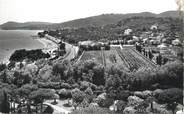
[112, 58]
[128, 58]
[92, 55]
[134, 60]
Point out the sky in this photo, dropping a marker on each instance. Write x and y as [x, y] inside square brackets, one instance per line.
[64, 10]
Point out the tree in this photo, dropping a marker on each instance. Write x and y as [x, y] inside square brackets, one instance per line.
[150, 100]
[21, 78]
[62, 46]
[2, 67]
[159, 59]
[78, 96]
[26, 90]
[89, 94]
[4, 106]
[121, 105]
[123, 95]
[22, 54]
[64, 93]
[113, 81]
[165, 60]
[40, 95]
[150, 55]
[105, 102]
[138, 47]
[98, 77]
[141, 107]
[4, 77]
[172, 106]
[59, 69]
[171, 74]
[170, 95]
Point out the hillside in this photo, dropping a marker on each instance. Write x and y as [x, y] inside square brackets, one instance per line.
[168, 26]
[174, 14]
[99, 20]
[27, 25]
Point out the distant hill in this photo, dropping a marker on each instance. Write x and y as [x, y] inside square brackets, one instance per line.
[99, 20]
[27, 25]
[174, 14]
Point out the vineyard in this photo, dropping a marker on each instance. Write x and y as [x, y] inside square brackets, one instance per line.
[128, 58]
[134, 60]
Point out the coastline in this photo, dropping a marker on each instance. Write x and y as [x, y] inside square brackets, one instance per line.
[11, 40]
[48, 44]
[48, 47]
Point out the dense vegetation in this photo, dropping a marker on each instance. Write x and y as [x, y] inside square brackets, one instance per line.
[169, 26]
[83, 82]
[33, 55]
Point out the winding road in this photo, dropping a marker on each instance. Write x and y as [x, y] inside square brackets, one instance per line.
[57, 109]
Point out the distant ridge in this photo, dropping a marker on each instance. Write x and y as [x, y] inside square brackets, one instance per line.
[99, 20]
[27, 25]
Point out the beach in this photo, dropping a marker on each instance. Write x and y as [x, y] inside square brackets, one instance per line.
[48, 44]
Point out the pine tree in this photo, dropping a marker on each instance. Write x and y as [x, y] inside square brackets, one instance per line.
[5, 105]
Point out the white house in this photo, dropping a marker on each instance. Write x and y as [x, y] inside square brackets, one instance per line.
[176, 42]
[154, 27]
[127, 31]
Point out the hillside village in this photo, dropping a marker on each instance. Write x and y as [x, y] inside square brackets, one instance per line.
[131, 67]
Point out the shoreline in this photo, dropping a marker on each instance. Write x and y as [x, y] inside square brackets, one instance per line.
[47, 44]
[48, 47]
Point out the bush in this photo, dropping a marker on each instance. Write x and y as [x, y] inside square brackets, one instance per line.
[78, 96]
[134, 100]
[171, 74]
[143, 94]
[105, 103]
[121, 105]
[123, 95]
[89, 95]
[93, 110]
[2, 67]
[53, 85]
[171, 95]
[65, 86]
[84, 85]
[63, 93]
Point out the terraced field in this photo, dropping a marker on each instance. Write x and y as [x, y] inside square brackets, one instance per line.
[128, 58]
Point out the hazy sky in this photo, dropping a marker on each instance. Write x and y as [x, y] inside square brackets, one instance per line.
[64, 10]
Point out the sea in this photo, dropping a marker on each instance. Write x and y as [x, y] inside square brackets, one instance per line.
[11, 40]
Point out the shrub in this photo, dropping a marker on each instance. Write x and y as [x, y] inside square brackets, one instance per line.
[84, 85]
[78, 96]
[64, 93]
[65, 86]
[2, 67]
[171, 95]
[123, 95]
[89, 94]
[121, 105]
[93, 110]
[134, 100]
[105, 102]
[53, 85]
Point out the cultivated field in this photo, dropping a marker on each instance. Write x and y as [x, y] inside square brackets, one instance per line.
[128, 58]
